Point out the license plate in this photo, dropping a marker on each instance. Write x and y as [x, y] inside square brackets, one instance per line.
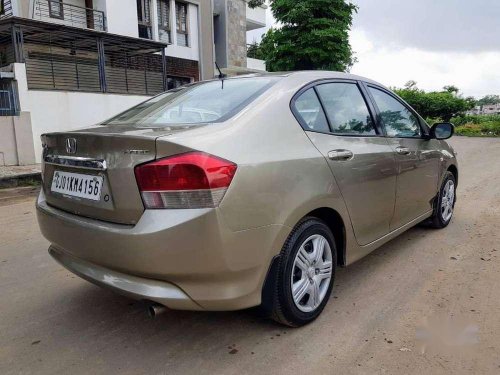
[77, 185]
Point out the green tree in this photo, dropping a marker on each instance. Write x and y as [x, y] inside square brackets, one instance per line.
[254, 51]
[489, 99]
[443, 104]
[313, 35]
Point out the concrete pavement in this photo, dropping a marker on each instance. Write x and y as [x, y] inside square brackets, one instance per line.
[52, 322]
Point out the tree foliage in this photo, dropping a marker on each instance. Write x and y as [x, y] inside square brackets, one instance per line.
[489, 99]
[436, 104]
[254, 51]
[312, 35]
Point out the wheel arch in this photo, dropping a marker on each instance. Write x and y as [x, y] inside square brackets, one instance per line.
[336, 224]
[454, 170]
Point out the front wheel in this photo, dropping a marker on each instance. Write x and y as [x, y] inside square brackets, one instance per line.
[305, 273]
[445, 203]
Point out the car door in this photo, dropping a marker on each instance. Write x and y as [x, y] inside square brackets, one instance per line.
[338, 121]
[417, 157]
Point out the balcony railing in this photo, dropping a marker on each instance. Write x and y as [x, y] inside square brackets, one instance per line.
[69, 14]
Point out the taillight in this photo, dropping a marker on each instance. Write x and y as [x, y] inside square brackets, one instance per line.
[191, 180]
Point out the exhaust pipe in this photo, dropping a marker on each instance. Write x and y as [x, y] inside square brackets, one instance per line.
[156, 309]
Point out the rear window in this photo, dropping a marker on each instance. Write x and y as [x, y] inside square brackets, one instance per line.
[204, 102]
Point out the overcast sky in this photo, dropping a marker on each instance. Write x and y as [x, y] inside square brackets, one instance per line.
[433, 42]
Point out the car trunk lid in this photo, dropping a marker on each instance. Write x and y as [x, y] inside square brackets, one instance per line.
[104, 153]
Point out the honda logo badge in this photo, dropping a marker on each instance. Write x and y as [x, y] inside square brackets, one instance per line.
[71, 145]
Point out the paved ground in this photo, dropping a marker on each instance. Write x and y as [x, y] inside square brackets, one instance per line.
[53, 322]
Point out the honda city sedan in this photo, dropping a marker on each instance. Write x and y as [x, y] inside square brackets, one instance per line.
[246, 191]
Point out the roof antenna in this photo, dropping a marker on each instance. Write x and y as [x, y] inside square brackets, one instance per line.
[221, 75]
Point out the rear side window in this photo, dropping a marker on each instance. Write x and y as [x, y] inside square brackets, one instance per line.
[346, 109]
[396, 118]
[309, 109]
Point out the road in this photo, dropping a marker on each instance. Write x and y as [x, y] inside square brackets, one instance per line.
[53, 322]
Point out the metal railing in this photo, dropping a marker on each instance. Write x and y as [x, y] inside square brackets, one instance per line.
[69, 14]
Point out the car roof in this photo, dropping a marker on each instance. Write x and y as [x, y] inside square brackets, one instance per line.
[312, 75]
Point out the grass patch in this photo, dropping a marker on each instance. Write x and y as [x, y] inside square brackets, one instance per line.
[486, 129]
[477, 125]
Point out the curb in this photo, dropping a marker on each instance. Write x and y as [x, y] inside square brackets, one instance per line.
[20, 180]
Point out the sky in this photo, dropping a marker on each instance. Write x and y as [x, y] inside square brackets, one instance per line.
[433, 42]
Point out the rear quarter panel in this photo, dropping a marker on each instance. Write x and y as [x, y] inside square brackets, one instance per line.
[281, 176]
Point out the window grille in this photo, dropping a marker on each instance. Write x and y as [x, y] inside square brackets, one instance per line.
[164, 20]
[181, 15]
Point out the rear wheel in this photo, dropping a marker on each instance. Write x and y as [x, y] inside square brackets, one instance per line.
[445, 203]
[305, 274]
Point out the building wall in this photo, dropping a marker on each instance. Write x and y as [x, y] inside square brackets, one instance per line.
[220, 33]
[182, 68]
[64, 110]
[121, 16]
[236, 33]
[256, 64]
[16, 142]
[206, 39]
[8, 148]
[232, 21]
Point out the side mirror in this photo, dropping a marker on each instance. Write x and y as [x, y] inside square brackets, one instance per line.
[442, 130]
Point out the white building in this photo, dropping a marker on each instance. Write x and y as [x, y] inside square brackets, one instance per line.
[65, 64]
[491, 109]
[487, 109]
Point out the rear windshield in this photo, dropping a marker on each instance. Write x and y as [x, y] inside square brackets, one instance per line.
[204, 102]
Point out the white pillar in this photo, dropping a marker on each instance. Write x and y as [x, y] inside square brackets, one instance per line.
[173, 23]
[154, 20]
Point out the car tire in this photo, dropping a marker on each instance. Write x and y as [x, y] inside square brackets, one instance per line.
[445, 202]
[310, 274]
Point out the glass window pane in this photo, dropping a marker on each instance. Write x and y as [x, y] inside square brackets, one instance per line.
[346, 109]
[309, 109]
[396, 118]
[203, 102]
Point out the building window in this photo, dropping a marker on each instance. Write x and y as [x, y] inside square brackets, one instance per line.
[174, 82]
[56, 9]
[144, 19]
[164, 20]
[181, 17]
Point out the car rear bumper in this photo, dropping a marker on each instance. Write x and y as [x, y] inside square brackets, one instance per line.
[131, 286]
[184, 259]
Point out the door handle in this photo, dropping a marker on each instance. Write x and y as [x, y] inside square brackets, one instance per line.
[403, 150]
[340, 155]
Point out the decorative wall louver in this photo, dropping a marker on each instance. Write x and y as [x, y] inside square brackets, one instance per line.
[62, 58]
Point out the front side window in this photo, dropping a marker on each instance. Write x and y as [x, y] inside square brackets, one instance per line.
[56, 9]
[164, 20]
[204, 102]
[398, 121]
[181, 17]
[346, 109]
[308, 107]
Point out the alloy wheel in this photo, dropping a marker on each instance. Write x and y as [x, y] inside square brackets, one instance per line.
[312, 272]
[447, 200]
